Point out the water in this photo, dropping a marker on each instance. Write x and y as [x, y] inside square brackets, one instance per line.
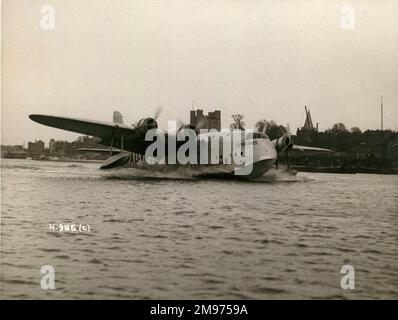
[180, 238]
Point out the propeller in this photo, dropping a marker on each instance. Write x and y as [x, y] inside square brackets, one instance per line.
[264, 128]
[285, 144]
[288, 145]
[158, 111]
[289, 140]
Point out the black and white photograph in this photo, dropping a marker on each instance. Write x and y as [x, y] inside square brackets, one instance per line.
[191, 150]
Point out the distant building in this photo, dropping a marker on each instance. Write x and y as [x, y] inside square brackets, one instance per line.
[308, 131]
[386, 151]
[391, 149]
[14, 152]
[65, 149]
[210, 121]
[371, 148]
[36, 148]
[308, 125]
[16, 148]
[52, 146]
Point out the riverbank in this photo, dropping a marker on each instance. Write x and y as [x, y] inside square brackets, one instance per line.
[346, 169]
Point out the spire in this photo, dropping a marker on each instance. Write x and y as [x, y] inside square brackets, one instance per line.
[308, 120]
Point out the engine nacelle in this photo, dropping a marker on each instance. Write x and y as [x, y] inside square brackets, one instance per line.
[283, 143]
[188, 126]
[147, 123]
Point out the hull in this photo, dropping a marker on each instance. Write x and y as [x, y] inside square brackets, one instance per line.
[264, 157]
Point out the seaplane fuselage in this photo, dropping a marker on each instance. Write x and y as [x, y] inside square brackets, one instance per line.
[262, 157]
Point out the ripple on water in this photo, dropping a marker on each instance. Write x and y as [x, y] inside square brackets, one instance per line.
[174, 236]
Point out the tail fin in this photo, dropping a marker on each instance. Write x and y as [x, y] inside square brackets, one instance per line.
[117, 117]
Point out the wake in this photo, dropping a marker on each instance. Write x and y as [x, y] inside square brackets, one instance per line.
[189, 173]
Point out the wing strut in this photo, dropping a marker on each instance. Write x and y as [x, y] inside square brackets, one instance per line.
[111, 148]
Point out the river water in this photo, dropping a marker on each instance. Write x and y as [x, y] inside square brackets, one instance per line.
[177, 237]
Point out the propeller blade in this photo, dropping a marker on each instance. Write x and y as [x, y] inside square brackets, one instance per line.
[264, 128]
[242, 125]
[287, 159]
[158, 111]
[288, 133]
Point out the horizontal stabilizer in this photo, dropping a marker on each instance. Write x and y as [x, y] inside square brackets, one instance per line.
[117, 117]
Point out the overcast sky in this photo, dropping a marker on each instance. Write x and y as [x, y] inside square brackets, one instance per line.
[264, 59]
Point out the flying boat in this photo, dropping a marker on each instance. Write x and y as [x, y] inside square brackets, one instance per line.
[126, 145]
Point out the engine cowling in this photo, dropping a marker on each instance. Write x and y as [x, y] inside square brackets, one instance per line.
[188, 126]
[147, 124]
[284, 143]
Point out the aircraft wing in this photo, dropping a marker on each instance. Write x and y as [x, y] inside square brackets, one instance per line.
[305, 148]
[87, 127]
[133, 138]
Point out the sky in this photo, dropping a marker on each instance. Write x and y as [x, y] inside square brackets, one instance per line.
[262, 59]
